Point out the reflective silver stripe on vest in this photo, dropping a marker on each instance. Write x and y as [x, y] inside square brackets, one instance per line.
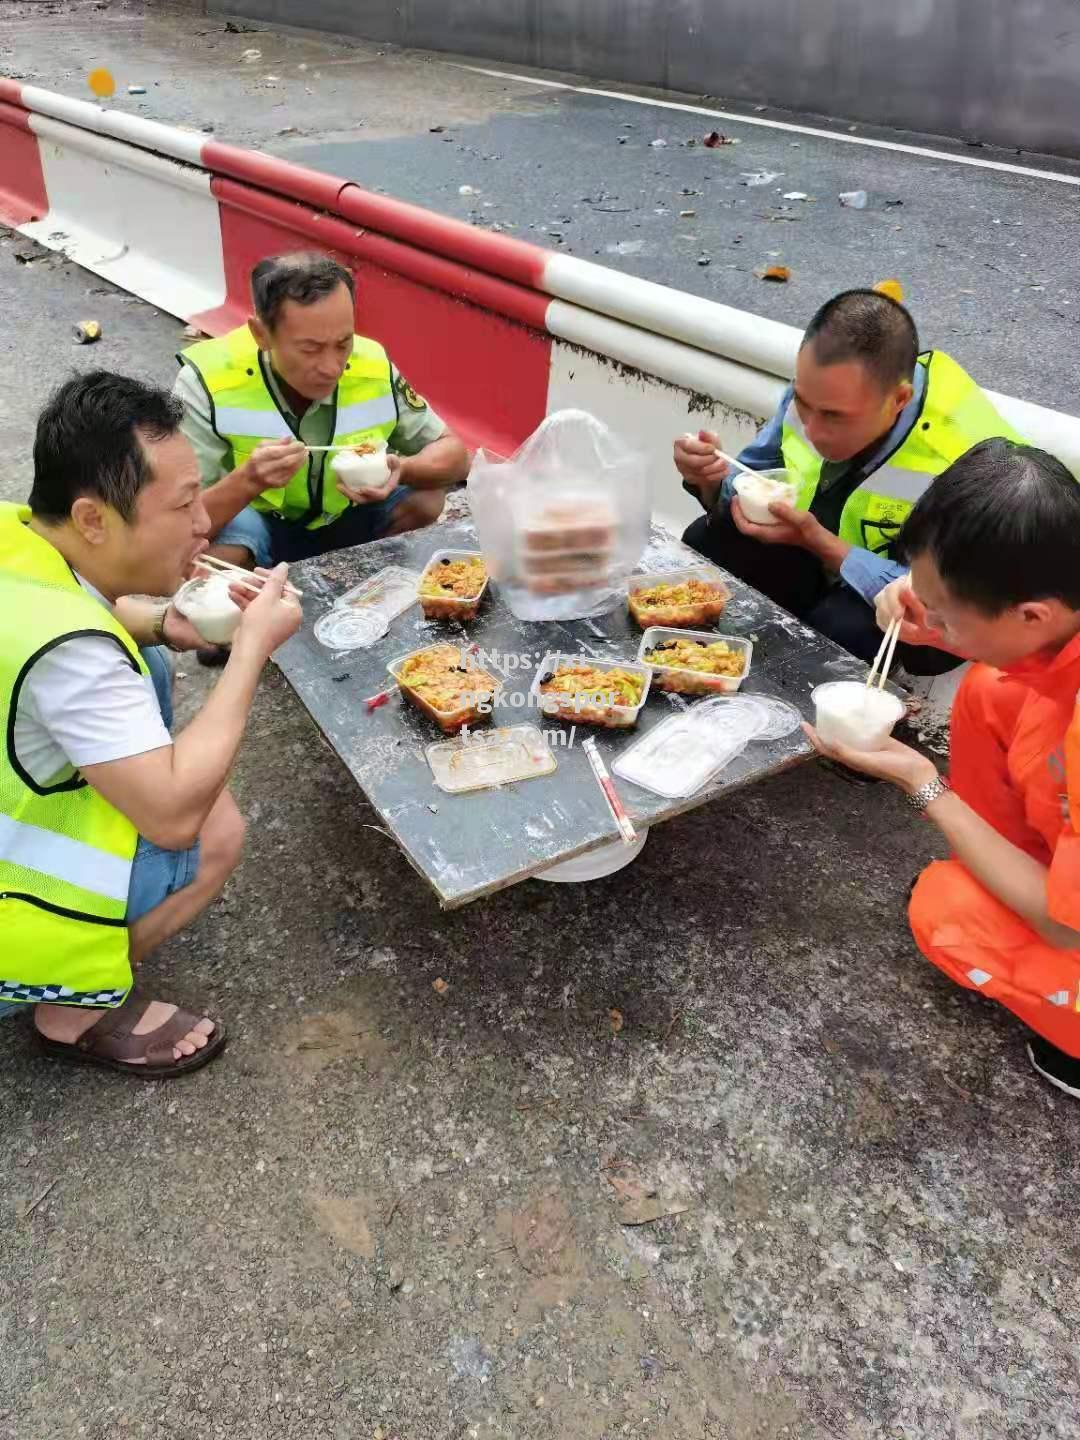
[365, 415]
[259, 424]
[897, 483]
[65, 859]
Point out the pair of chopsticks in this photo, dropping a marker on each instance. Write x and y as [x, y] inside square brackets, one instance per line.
[237, 575]
[604, 780]
[885, 654]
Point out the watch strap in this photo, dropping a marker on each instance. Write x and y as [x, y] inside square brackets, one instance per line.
[927, 794]
[160, 638]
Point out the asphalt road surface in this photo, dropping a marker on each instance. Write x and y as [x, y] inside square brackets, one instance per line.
[396, 1213]
[988, 259]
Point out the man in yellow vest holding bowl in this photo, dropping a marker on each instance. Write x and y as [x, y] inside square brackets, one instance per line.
[866, 426]
[297, 376]
[113, 837]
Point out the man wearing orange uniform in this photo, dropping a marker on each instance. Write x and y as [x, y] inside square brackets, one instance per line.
[994, 547]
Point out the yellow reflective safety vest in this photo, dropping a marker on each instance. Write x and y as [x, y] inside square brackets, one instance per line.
[65, 852]
[244, 412]
[954, 416]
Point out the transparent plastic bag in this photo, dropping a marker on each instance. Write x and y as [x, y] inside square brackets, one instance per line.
[564, 522]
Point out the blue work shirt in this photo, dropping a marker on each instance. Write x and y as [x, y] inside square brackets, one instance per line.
[865, 572]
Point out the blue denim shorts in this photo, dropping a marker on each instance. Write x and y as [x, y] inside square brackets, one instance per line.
[269, 540]
[155, 873]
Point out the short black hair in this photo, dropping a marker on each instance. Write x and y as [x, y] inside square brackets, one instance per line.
[868, 327]
[1002, 525]
[305, 276]
[89, 442]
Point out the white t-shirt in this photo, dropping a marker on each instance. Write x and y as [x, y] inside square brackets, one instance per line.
[84, 704]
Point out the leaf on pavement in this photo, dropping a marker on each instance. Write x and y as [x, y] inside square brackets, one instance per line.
[639, 1203]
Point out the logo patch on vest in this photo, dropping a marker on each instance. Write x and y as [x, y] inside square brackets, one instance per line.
[412, 399]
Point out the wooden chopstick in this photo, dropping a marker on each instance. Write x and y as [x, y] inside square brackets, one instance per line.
[885, 653]
[889, 656]
[607, 785]
[239, 576]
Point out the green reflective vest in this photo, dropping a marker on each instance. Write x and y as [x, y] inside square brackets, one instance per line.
[244, 413]
[65, 852]
[955, 415]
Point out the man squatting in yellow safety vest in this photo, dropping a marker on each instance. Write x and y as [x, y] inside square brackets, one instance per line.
[113, 836]
[297, 375]
[866, 426]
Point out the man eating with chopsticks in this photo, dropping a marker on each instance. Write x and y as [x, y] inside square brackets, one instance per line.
[113, 836]
[994, 546]
[266, 404]
[868, 421]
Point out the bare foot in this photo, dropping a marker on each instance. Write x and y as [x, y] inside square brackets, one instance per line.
[65, 1023]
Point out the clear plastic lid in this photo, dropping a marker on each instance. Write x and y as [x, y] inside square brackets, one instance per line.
[686, 751]
[740, 717]
[343, 629]
[783, 720]
[495, 757]
[363, 614]
[678, 757]
[387, 593]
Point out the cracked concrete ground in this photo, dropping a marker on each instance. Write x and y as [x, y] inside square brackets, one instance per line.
[393, 1213]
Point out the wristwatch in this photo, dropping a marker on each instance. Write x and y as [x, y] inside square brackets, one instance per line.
[158, 632]
[927, 794]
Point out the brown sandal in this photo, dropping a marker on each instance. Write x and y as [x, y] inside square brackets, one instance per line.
[110, 1042]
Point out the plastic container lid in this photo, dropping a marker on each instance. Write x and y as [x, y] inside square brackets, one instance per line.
[784, 719]
[342, 629]
[595, 864]
[676, 758]
[363, 614]
[684, 752]
[736, 717]
[387, 593]
[498, 757]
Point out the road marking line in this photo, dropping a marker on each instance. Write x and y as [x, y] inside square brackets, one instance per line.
[921, 150]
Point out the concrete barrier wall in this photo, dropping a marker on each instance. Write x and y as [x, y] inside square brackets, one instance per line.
[1006, 72]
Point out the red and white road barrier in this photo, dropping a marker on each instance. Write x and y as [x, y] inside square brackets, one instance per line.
[497, 332]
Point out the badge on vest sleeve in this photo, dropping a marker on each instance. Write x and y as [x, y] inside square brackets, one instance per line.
[413, 400]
